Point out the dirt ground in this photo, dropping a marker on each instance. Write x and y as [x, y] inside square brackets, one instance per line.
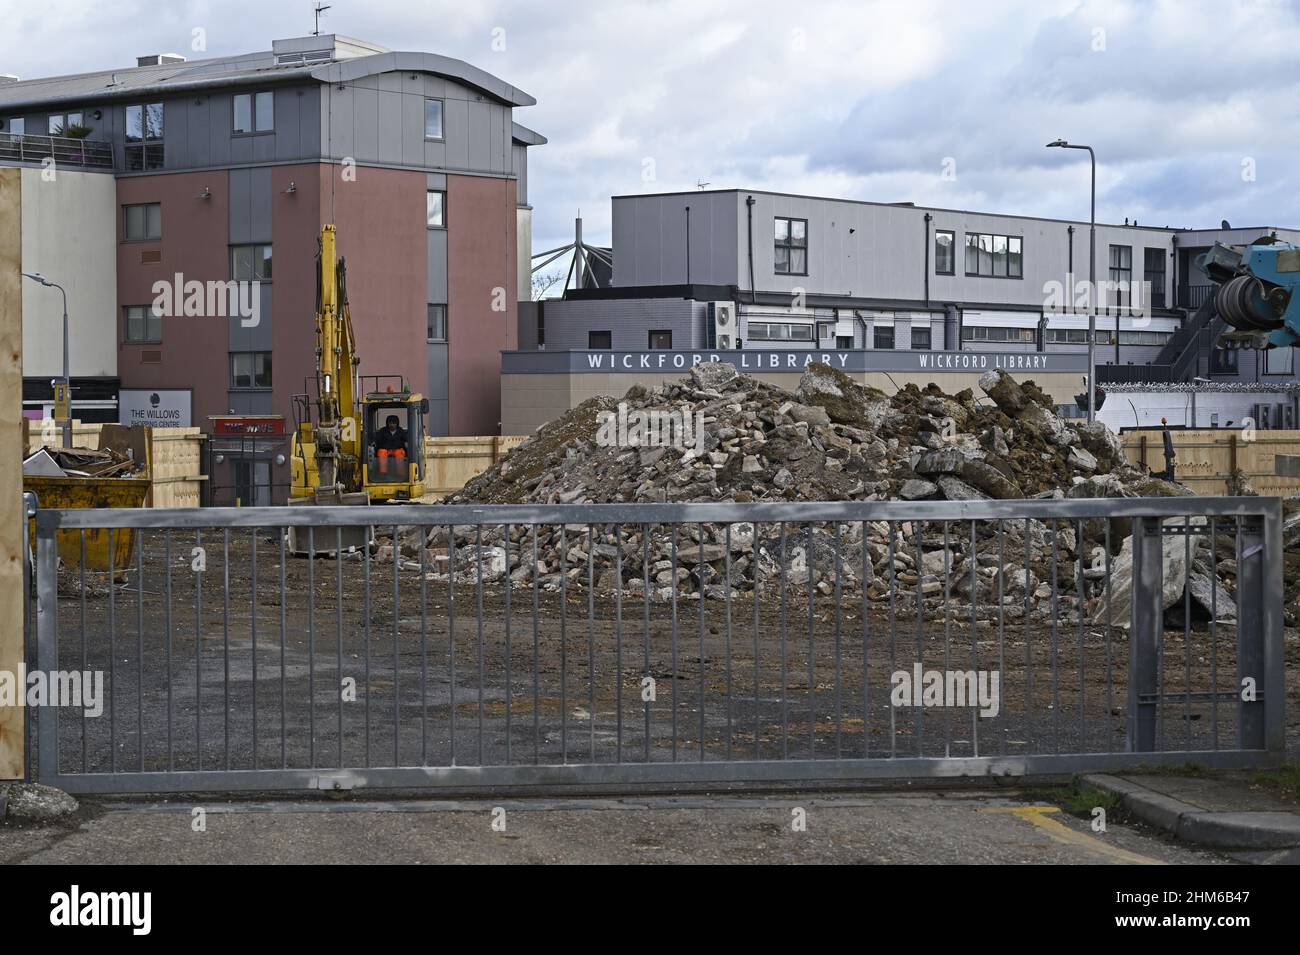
[260, 661]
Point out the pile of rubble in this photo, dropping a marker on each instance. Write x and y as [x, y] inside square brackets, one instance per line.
[717, 435]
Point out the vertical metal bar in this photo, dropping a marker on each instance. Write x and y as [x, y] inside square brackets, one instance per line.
[591, 638]
[1214, 633]
[198, 650]
[451, 632]
[974, 640]
[919, 534]
[839, 651]
[424, 647]
[365, 626]
[812, 637]
[1110, 683]
[726, 590]
[1002, 628]
[866, 657]
[645, 592]
[225, 641]
[785, 692]
[893, 639]
[252, 535]
[536, 697]
[509, 585]
[947, 632]
[397, 656]
[674, 637]
[139, 658]
[284, 599]
[1271, 637]
[1187, 626]
[618, 642]
[701, 566]
[478, 594]
[1144, 643]
[1056, 614]
[1028, 548]
[47, 638]
[1253, 593]
[81, 569]
[112, 644]
[1082, 598]
[757, 680]
[338, 638]
[167, 625]
[311, 649]
[564, 655]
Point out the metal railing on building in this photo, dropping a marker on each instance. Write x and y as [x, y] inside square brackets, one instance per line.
[62, 149]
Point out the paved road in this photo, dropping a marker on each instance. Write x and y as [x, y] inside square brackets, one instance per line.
[929, 827]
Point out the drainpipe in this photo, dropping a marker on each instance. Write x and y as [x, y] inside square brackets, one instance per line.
[749, 211]
[951, 328]
[688, 245]
[928, 219]
[1173, 254]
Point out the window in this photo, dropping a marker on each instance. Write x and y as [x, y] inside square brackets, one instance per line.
[1223, 361]
[254, 112]
[844, 341]
[943, 249]
[791, 252]
[921, 337]
[433, 119]
[141, 324]
[250, 263]
[779, 332]
[142, 221]
[437, 323]
[1153, 270]
[1277, 361]
[17, 126]
[661, 340]
[434, 205]
[985, 333]
[60, 123]
[600, 340]
[995, 256]
[1144, 338]
[144, 136]
[250, 369]
[884, 336]
[1121, 273]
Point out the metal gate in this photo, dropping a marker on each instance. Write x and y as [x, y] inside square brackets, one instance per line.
[676, 645]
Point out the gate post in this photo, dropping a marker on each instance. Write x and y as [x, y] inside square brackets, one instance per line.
[1147, 632]
[13, 526]
[1259, 630]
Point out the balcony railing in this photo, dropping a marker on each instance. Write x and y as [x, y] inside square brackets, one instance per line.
[1193, 296]
[62, 149]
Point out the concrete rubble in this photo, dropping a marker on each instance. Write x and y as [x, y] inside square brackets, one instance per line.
[832, 439]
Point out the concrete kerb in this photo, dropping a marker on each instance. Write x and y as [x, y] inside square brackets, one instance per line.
[1223, 830]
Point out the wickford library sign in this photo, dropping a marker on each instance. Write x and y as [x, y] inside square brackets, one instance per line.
[785, 360]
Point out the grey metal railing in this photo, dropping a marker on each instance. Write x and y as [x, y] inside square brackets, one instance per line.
[660, 645]
[62, 149]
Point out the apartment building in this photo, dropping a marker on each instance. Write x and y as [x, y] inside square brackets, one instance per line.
[224, 170]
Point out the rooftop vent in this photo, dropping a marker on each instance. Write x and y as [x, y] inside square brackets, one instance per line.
[159, 59]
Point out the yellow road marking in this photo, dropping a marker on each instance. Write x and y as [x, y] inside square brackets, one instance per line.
[1041, 817]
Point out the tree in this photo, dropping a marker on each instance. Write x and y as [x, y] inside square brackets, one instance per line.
[544, 282]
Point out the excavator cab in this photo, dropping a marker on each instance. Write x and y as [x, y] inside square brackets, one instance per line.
[393, 431]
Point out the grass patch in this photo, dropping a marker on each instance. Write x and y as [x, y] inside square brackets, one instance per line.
[1080, 799]
[1285, 779]
[1193, 769]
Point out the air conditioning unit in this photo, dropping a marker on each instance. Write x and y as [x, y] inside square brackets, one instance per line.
[1261, 415]
[723, 326]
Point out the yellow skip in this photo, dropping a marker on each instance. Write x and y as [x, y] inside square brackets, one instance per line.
[1041, 816]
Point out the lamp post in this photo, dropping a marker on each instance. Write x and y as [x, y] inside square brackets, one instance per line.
[66, 381]
[1092, 281]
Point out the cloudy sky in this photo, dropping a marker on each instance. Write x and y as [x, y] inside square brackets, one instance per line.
[1193, 107]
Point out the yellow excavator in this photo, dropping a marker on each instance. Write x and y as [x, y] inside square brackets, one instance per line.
[357, 440]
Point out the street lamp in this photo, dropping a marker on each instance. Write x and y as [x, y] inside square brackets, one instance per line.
[1092, 281]
[66, 381]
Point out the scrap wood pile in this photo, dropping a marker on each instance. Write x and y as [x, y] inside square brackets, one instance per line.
[80, 462]
[738, 438]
